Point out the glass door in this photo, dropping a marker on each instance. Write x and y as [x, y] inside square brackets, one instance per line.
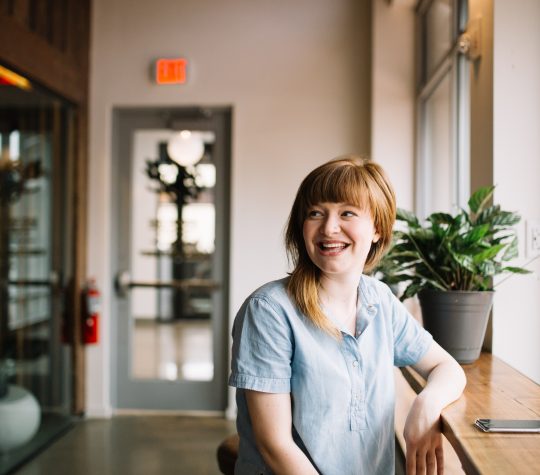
[172, 220]
[35, 391]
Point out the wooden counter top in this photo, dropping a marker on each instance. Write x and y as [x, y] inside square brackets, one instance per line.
[494, 390]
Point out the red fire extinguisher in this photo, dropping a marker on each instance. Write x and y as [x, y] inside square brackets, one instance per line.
[91, 317]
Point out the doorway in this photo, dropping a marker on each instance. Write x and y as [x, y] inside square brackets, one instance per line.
[170, 234]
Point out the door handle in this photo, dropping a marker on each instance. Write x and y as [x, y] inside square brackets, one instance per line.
[53, 281]
[123, 284]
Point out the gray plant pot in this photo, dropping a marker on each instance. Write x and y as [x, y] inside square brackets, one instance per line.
[457, 320]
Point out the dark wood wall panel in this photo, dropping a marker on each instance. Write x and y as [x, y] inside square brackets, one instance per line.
[59, 25]
[21, 11]
[48, 41]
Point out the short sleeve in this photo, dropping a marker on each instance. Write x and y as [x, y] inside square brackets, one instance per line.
[262, 348]
[411, 341]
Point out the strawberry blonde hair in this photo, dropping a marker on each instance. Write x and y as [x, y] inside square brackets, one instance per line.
[349, 179]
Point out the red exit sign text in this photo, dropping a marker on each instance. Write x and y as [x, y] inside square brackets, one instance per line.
[171, 71]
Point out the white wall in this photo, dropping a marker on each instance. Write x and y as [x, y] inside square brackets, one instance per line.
[297, 75]
[516, 112]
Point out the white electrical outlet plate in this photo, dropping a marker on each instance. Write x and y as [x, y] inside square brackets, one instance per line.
[533, 238]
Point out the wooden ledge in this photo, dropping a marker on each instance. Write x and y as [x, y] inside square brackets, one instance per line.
[494, 390]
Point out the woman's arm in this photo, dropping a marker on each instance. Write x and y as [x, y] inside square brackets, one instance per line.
[271, 419]
[445, 383]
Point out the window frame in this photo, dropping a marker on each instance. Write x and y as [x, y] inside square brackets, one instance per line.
[457, 65]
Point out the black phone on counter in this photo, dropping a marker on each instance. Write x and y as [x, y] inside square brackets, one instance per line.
[508, 425]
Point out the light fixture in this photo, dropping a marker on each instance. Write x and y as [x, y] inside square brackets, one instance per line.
[13, 79]
[185, 148]
[206, 175]
[168, 172]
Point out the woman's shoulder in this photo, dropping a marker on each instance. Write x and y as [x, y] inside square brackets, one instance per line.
[272, 292]
[270, 300]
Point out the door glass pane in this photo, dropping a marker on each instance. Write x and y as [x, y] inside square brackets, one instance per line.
[172, 251]
[438, 33]
[34, 364]
[438, 148]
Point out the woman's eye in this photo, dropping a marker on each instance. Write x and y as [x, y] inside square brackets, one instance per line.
[348, 214]
[314, 213]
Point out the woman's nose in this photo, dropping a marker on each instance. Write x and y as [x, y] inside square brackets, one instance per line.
[330, 225]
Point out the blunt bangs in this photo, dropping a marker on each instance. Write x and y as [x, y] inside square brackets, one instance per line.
[340, 182]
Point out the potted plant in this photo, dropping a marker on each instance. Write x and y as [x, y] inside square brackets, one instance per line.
[449, 262]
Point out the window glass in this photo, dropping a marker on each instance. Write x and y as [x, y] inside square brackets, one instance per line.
[438, 147]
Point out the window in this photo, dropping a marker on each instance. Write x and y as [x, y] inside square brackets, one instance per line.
[443, 177]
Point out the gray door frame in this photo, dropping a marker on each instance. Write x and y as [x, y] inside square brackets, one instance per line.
[179, 395]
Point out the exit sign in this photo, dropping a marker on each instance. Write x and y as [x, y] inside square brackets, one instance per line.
[171, 71]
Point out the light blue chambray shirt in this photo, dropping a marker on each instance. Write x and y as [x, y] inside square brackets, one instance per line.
[342, 392]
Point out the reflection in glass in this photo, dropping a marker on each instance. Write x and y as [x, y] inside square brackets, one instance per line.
[172, 244]
[34, 365]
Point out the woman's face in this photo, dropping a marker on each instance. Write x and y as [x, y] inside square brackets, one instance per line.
[338, 237]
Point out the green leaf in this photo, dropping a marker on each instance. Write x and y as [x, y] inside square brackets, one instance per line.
[440, 218]
[411, 291]
[487, 214]
[480, 198]
[408, 217]
[477, 233]
[489, 253]
[506, 218]
[487, 268]
[516, 270]
[511, 251]
[464, 260]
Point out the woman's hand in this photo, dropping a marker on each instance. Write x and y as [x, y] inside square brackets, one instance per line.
[445, 381]
[423, 439]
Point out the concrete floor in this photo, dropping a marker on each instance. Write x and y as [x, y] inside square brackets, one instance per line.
[144, 445]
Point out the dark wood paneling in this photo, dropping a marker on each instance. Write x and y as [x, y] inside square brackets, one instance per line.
[59, 26]
[21, 11]
[48, 41]
[41, 16]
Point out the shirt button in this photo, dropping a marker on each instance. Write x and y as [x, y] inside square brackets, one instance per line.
[355, 363]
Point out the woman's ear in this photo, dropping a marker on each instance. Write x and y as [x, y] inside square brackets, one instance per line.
[376, 238]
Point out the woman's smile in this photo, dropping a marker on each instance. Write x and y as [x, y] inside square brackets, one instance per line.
[338, 237]
[332, 248]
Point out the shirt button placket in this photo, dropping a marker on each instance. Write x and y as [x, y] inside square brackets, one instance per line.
[355, 402]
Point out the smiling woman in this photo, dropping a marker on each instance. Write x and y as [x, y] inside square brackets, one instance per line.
[363, 186]
[313, 354]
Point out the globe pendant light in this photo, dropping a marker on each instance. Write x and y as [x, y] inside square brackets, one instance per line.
[185, 148]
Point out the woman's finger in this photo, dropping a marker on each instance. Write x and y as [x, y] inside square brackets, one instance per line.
[411, 462]
[421, 456]
[431, 462]
[439, 455]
